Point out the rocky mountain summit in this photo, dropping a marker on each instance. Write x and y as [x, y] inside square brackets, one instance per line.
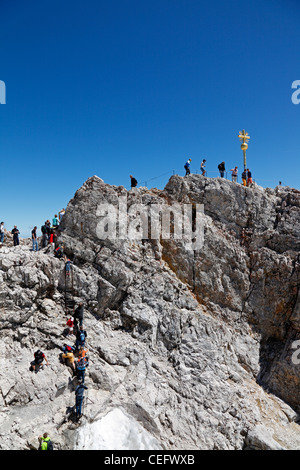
[196, 346]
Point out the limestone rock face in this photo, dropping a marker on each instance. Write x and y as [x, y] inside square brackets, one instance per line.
[199, 346]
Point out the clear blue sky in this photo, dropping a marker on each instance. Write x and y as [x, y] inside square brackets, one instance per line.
[118, 87]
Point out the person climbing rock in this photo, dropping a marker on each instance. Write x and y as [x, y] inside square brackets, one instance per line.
[67, 266]
[45, 442]
[37, 363]
[81, 336]
[78, 315]
[82, 352]
[81, 366]
[70, 327]
[61, 214]
[202, 167]
[69, 359]
[59, 251]
[79, 394]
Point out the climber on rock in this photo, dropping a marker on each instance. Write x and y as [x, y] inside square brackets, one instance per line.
[79, 393]
[37, 363]
[45, 442]
[67, 266]
[81, 336]
[69, 359]
[81, 365]
[78, 315]
[70, 327]
[59, 252]
[82, 352]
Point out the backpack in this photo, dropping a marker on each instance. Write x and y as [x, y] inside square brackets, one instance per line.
[82, 363]
[38, 354]
[43, 229]
[82, 337]
[49, 445]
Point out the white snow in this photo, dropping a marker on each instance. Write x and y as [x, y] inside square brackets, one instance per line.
[115, 431]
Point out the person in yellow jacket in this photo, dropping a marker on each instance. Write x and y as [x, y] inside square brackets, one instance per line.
[45, 442]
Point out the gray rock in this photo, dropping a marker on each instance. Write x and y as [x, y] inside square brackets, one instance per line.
[197, 346]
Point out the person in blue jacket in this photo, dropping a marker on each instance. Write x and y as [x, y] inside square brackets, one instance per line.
[187, 167]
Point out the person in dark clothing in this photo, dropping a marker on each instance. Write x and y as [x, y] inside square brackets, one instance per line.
[59, 252]
[79, 393]
[78, 315]
[16, 234]
[133, 182]
[244, 178]
[221, 168]
[35, 246]
[39, 357]
[187, 167]
[44, 235]
[81, 365]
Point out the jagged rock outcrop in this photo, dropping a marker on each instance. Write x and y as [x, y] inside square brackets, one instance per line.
[198, 346]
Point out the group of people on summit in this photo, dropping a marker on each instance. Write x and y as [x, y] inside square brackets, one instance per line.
[246, 175]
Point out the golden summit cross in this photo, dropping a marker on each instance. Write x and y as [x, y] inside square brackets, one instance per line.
[244, 137]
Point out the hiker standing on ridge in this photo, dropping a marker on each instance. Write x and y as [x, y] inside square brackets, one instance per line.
[221, 168]
[1, 233]
[187, 167]
[16, 234]
[34, 240]
[249, 177]
[202, 167]
[244, 178]
[55, 221]
[44, 231]
[133, 182]
[234, 174]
